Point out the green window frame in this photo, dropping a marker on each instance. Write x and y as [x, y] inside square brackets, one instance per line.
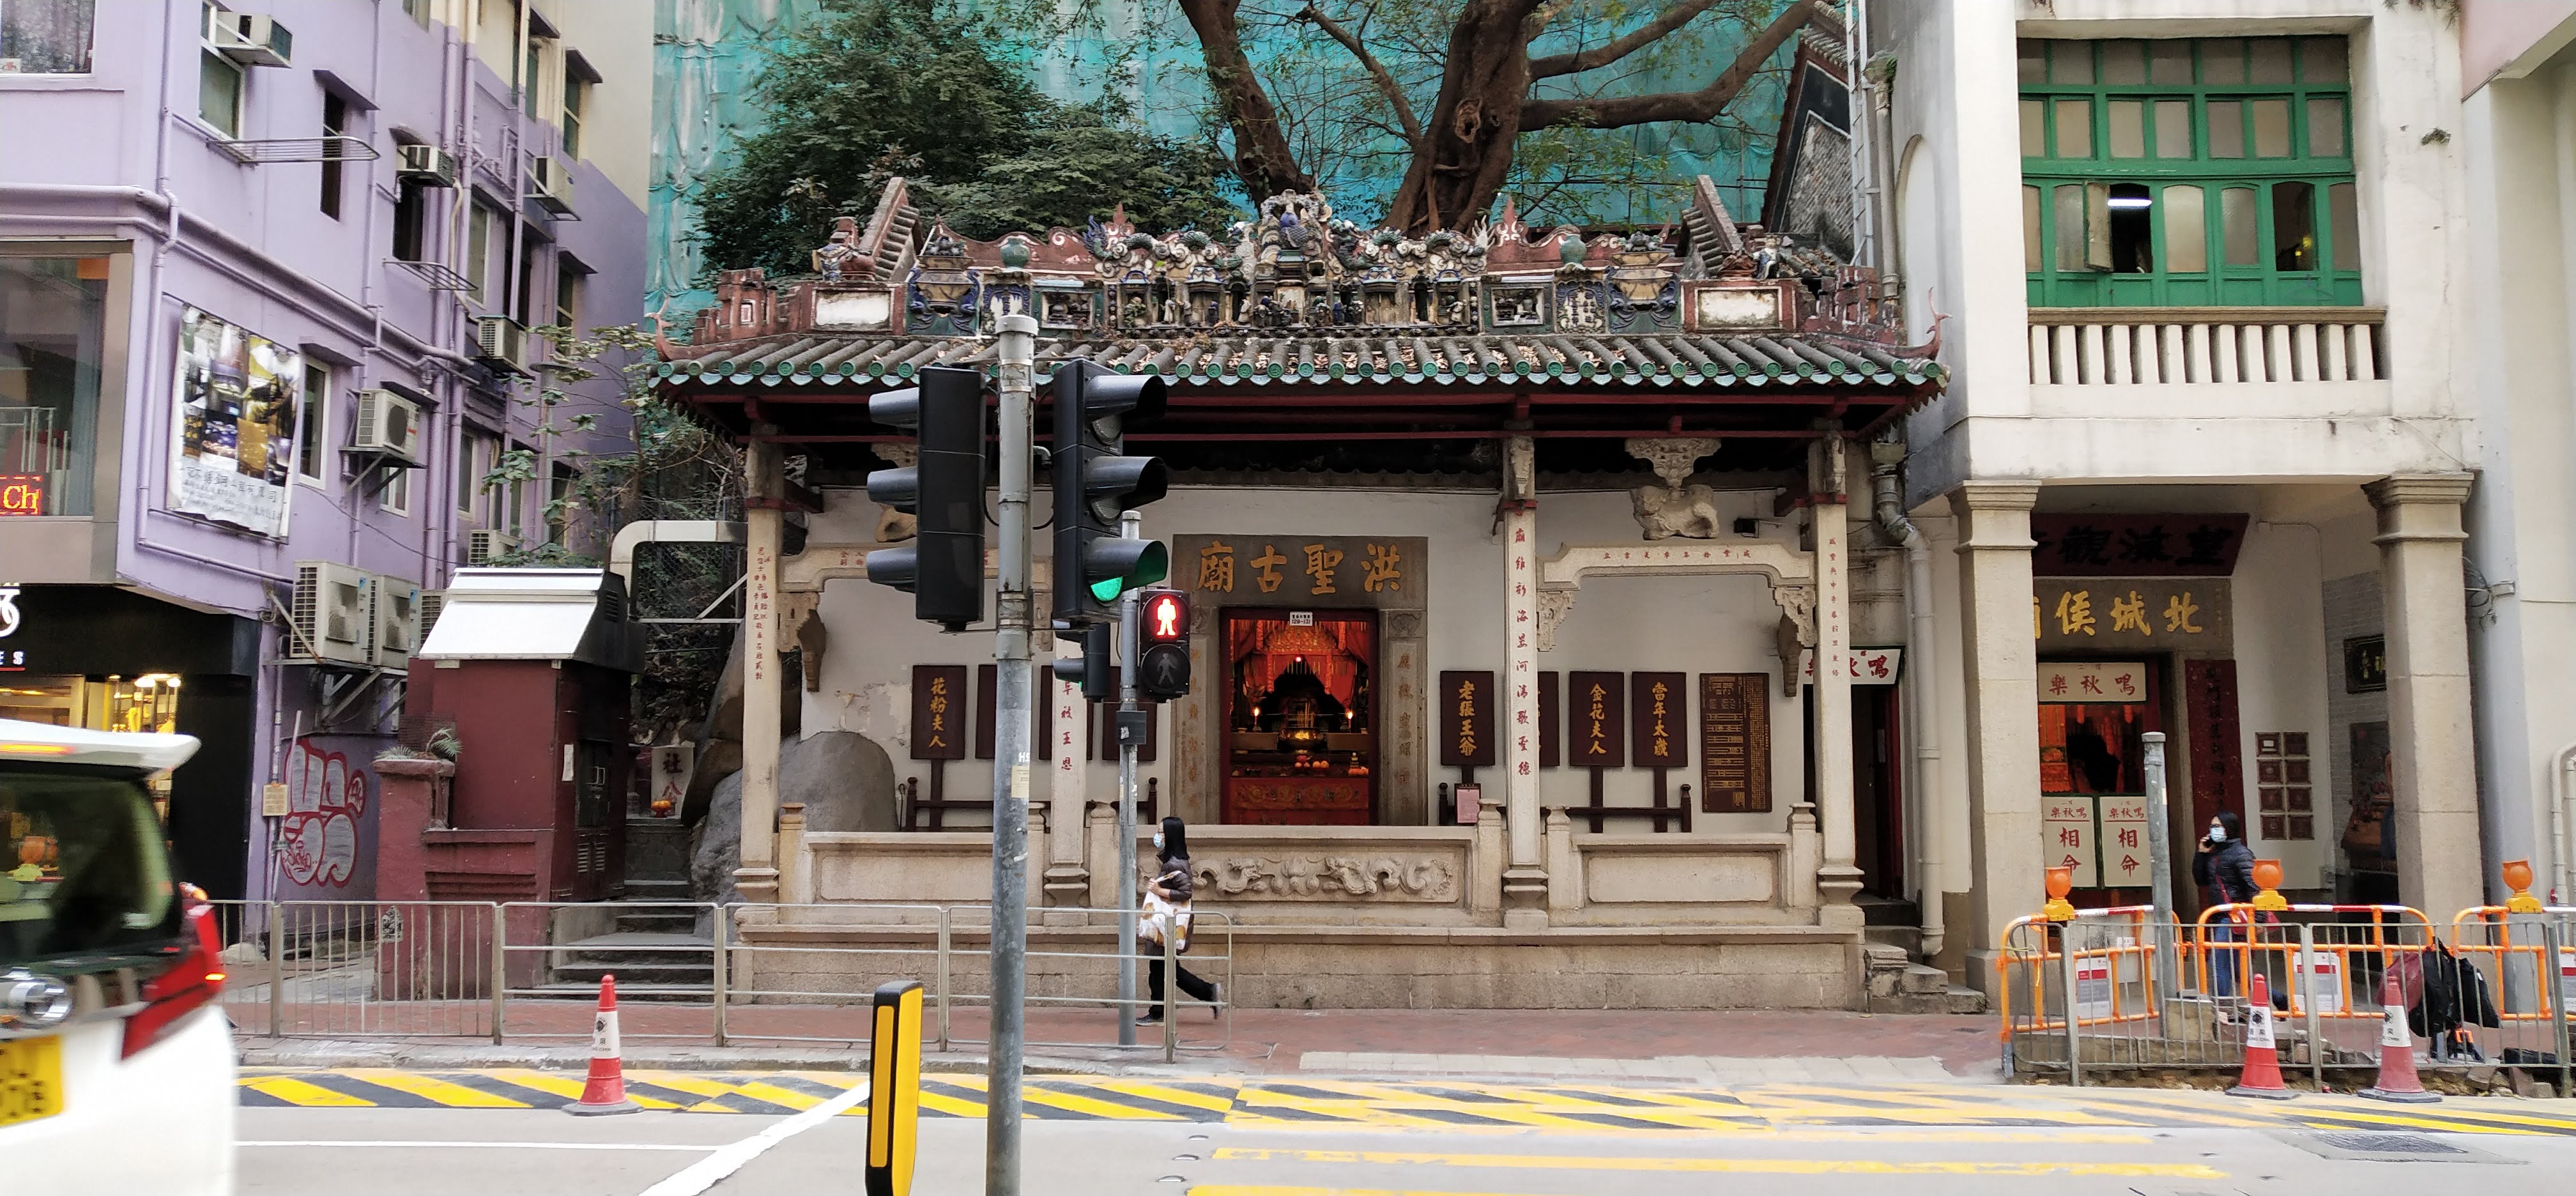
[2189, 172]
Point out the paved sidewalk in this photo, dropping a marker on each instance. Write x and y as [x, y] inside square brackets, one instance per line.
[1689, 1045]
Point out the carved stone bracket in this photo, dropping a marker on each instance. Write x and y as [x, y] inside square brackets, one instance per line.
[1554, 603]
[1673, 457]
[1333, 878]
[1797, 632]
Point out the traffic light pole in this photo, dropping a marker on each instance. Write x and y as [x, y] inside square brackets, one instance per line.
[1130, 526]
[1011, 655]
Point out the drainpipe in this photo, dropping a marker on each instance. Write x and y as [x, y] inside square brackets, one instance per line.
[1921, 724]
[2560, 820]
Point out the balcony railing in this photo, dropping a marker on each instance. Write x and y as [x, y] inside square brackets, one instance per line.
[2128, 346]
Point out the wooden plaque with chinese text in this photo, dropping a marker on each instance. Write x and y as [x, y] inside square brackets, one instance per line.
[1466, 702]
[1595, 735]
[1735, 743]
[1548, 722]
[1660, 717]
[939, 712]
[1041, 713]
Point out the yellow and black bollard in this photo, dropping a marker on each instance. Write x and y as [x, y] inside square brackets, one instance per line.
[894, 1088]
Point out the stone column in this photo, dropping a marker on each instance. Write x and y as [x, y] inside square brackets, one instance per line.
[1068, 877]
[766, 519]
[1839, 879]
[2435, 814]
[2002, 667]
[1525, 876]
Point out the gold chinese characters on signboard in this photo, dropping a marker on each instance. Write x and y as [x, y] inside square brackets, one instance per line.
[2132, 613]
[1383, 571]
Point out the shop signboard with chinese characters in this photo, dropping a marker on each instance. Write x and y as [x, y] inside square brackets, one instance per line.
[2123, 835]
[234, 423]
[1260, 570]
[1869, 666]
[2121, 681]
[2133, 614]
[2084, 544]
[2066, 834]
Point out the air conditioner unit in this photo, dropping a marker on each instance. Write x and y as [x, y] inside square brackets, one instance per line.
[426, 165]
[249, 39]
[485, 545]
[334, 614]
[431, 602]
[550, 184]
[398, 622]
[388, 425]
[501, 343]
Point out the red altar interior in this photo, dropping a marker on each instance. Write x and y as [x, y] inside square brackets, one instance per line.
[1300, 717]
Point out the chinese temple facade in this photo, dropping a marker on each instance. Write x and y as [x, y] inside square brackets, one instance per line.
[1689, 618]
[1544, 653]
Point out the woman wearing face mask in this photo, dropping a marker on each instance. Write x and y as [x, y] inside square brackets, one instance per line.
[2224, 865]
[1167, 910]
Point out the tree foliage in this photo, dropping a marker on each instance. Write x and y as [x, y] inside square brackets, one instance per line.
[925, 89]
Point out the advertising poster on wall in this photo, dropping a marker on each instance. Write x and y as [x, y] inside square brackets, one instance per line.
[234, 428]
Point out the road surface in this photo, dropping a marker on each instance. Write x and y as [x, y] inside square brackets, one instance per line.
[486, 1133]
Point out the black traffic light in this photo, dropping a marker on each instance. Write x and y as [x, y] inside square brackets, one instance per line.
[1094, 482]
[1097, 670]
[1163, 644]
[943, 567]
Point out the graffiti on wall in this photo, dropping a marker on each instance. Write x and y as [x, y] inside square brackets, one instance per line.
[323, 841]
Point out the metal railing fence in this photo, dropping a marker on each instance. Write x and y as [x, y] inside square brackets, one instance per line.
[686, 971]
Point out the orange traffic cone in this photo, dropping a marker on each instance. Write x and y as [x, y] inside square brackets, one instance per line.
[2397, 1079]
[606, 1090]
[2262, 1065]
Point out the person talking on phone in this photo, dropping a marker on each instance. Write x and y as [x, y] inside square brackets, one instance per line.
[2224, 865]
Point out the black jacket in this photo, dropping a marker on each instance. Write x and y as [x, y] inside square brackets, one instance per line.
[2229, 871]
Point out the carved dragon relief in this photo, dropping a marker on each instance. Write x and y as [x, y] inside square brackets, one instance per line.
[1332, 877]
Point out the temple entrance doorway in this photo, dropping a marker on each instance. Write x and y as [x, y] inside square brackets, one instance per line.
[1301, 745]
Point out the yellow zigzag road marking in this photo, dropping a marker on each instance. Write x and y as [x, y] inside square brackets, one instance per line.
[1286, 1103]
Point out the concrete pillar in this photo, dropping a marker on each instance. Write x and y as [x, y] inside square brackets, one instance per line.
[1068, 875]
[766, 519]
[2433, 754]
[2001, 663]
[1839, 879]
[1525, 876]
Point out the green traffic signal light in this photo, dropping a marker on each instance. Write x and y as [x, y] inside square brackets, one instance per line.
[1152, 563]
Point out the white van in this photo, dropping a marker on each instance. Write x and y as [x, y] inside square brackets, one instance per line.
[116, 1065]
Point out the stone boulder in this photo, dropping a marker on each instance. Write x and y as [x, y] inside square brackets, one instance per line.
[845, 781]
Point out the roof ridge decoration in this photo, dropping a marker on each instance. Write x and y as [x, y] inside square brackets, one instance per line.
[1296, 270]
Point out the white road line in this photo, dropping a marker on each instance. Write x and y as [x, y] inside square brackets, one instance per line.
[712, 1170]
[490, 1145]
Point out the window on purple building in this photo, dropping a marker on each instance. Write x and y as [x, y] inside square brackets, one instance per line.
[46, 37]
[53, 329]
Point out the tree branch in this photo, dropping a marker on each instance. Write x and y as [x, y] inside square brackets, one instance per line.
[1680, 14]
[1385, 80]
[1262, 156]
[1613, 112]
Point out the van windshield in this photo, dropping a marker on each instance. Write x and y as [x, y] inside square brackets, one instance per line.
[82, 868]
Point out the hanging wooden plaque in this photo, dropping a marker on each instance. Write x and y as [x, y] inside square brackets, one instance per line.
[939, 712]
[1466, 703]
[1735, 743]
[1547, 721]
[1660, 717]
[1595, 727]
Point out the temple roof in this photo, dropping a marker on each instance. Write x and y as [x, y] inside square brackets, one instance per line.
[1296, 328]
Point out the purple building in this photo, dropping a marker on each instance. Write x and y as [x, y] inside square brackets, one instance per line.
[267, 279]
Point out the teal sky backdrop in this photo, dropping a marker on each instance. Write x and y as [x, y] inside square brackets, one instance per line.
[708, 55]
